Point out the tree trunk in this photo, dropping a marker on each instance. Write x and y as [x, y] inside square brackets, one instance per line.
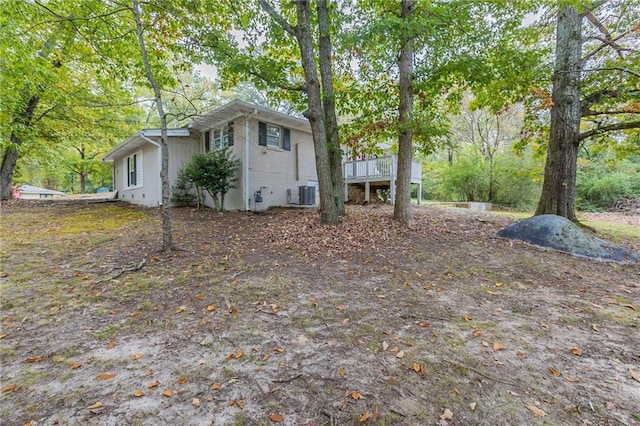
[10, 156]
[329, 104]
[402, 206]
[559, 188]
[167, 239]
[315, 114]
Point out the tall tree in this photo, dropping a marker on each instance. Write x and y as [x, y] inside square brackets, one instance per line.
[457, 46]
[167, 237]
[315, 111]
[329, 103]
[402, 205]
[592, 95]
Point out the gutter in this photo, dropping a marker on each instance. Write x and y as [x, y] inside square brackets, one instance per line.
[160, 155]
[245, 166]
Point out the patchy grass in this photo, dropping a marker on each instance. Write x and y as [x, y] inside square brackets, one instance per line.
[286, 316]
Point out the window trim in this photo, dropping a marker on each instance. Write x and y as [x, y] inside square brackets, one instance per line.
[134, 158]
[284, 136]
[218, 137]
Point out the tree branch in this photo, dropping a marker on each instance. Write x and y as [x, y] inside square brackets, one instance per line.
[593, 113]
[297, 87]
[606, 43]
[266, 6]
[627, 70]
[609, 128]
[596, 97]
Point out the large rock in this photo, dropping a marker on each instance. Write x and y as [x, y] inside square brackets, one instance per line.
[559, 233]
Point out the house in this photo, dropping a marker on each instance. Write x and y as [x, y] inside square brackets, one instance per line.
[275, 149]
[30, 192]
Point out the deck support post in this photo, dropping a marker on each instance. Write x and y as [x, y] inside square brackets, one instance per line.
[367, 190]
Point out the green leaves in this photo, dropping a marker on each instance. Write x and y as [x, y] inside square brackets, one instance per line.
[215, 172]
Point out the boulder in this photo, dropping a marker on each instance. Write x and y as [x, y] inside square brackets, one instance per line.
[559, 233]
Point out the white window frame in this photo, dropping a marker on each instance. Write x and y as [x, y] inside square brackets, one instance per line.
[274, 134]
[126, 169]
[219, 137]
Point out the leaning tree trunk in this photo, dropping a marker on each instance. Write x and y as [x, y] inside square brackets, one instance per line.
[329, 104]
[11, 154]
[559, 188]
[315, 114]
[167, 238]
[402, 206]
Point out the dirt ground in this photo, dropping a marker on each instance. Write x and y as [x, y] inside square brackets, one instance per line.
[273, 318]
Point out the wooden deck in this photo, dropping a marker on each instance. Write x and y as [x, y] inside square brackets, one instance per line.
[379, 172]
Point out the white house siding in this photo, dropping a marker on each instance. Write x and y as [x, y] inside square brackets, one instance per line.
[271, 171]
[181, 152]
[148, 194]
[274, 171]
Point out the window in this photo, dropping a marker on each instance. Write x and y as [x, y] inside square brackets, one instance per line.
[133, 170]
[273, 136]
[219, 137]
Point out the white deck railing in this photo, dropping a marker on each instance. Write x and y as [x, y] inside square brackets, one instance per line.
[381, 168]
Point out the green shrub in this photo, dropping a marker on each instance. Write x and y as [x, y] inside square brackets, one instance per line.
[518, 181]
[600, 183]
[215, 172]
[182, 192]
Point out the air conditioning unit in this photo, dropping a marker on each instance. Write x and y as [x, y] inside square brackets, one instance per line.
[307, 195]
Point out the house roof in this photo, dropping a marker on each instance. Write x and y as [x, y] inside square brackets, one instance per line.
[135, 141]
[238, 108]
[220, 115]
[30, 189]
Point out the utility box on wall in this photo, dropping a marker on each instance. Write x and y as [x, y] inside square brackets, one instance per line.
[307, 195]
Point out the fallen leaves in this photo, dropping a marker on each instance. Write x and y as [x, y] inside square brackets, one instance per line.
[240, 403]
[420, 369]
[76, 365]
[33, 359]
[634, 375]
[105, 376]
[10, 388]
[167, 393]
[498, 346]
[276, 417]
[95, 406]
[138, 393]
[215, 386]
[136, 357]
[555, 372]
[446, 415]
[180, 309]
[365, 416]
[536, 411]
[195, 402]
[111, 345]
[576, 351]
[356, 395]
[153, 385]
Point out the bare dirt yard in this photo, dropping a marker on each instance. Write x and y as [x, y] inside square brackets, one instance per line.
[273, 318]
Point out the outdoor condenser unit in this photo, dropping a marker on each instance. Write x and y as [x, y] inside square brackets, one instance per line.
[307, 195]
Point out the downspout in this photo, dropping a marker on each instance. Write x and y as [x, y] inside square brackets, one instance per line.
[245, 165]
[151, 141]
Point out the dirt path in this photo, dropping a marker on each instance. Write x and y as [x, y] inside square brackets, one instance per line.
[276, 319]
